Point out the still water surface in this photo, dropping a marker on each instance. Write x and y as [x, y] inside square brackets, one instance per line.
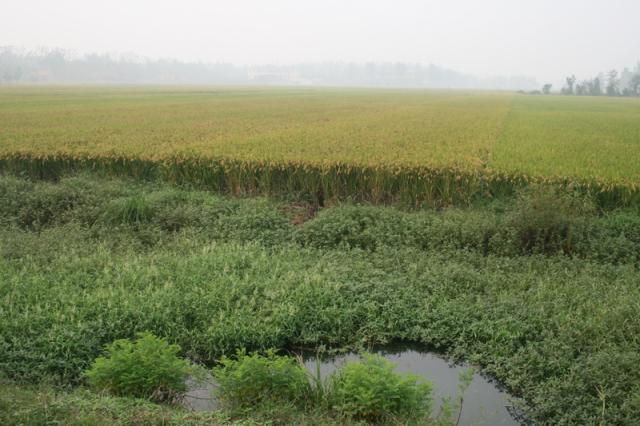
[484, 403]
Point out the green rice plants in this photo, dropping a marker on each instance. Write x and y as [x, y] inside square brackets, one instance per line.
[148, 367]
[371, 390]
[252, 379]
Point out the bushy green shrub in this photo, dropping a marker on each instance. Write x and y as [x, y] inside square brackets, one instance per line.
[455, 229]
[613, 238]
[362, 227]
[148, 367]
[253, 378]
[371, 390]
[255, 220]
[35, 206]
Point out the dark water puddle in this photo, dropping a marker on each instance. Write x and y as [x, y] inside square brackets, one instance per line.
[200, 395]
[484, 402]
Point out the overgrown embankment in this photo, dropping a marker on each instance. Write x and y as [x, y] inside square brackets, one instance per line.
[540, 290]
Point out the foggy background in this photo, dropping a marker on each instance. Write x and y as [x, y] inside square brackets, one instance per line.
[405, 43]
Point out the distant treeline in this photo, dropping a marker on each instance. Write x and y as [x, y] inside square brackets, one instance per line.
[613, 83]
[58, 66]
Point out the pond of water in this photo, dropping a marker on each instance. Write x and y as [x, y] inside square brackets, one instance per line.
[484, 402]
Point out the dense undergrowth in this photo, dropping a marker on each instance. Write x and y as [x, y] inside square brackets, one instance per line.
[541, 291]
[539, 221]
[46, 405]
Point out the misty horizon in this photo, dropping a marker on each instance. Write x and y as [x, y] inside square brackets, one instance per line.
[61, 66]
[542, 40]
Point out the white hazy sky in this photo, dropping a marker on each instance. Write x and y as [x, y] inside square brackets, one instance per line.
[546, 39]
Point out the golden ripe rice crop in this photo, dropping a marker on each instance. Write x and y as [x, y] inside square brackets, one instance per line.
[437, 147]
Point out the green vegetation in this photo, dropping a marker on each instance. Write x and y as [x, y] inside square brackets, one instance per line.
[560, 136]
[432, 148]
[45, 405]
[149, 368]
[370, 390]
[249, 380]
[366, 390]
[552, 313]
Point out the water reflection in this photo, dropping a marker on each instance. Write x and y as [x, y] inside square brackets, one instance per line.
[484, 402]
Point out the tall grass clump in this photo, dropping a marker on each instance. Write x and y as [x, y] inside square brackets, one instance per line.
[547, 220]
[129, 211]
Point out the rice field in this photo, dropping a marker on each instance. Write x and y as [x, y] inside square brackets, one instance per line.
[561, 136]
[433, 147]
